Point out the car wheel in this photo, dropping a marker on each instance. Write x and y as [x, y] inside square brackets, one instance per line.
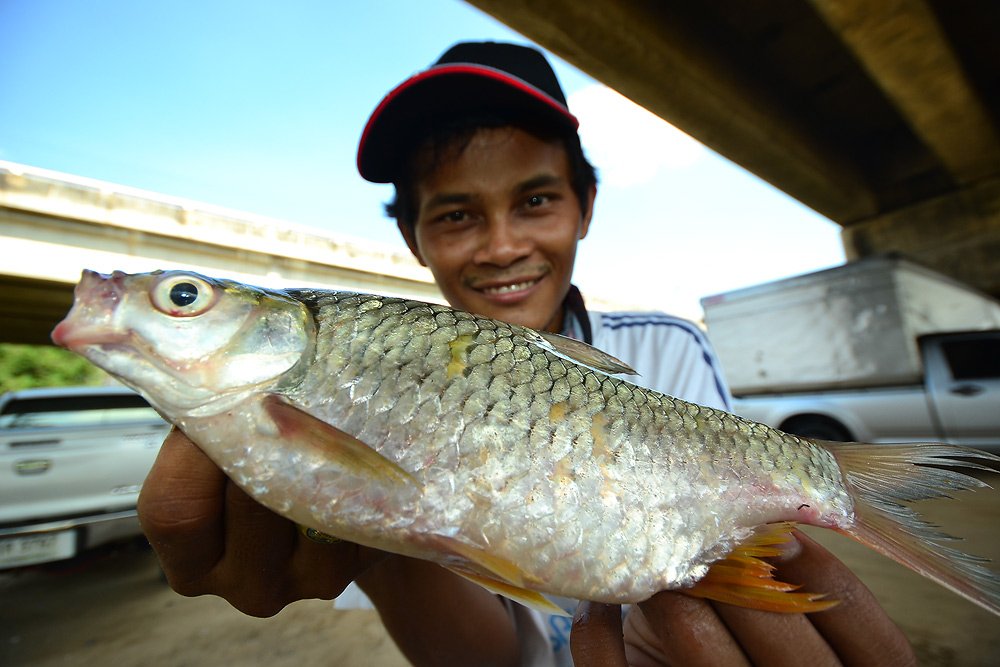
[817, 427]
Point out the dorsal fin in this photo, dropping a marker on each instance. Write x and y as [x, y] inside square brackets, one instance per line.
[585, 354]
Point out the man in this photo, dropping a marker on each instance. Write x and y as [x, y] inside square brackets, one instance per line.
[493, 193]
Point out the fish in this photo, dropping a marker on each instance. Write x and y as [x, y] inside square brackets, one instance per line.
[521, 460]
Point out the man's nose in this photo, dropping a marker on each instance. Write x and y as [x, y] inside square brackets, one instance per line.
[504, 242]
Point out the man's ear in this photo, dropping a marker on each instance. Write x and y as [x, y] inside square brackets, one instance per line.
[411, 240]
[589, 213]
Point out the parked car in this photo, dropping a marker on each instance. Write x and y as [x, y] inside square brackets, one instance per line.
[72, 462]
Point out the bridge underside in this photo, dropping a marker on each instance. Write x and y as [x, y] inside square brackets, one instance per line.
[31, 307]
[883, 116]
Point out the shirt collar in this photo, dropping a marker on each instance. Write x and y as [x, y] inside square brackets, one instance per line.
[576, 321]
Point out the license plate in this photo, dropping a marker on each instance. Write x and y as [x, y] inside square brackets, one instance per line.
[32, 549]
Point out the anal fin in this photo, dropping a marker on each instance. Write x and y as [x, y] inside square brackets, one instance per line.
[743, 579]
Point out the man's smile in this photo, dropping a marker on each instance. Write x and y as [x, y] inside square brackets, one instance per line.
[507, 289]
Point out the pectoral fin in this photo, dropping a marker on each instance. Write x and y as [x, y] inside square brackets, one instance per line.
[352, 455]
[586, 354]
[743, 579]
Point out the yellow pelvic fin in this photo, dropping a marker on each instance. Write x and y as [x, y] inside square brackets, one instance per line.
[743, 579]
[499, 567]
[346, 451]
[501, 575]
[532, 599]
[585, 354]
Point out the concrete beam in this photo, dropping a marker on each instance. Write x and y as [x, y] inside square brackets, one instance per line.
[54, 225]
[956, 234]
[901, 45]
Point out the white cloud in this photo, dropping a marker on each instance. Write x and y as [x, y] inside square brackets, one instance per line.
[628, 144]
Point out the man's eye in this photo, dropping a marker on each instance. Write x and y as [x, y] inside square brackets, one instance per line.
[537, 200]
[453, 216]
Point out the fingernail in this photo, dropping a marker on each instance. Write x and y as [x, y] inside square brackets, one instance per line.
[582, 614]
[789, 549]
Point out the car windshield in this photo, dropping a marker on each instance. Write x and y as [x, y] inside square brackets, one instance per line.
[75, 411]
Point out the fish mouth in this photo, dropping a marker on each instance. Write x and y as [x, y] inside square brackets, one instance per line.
[72, 336]
[89, 321]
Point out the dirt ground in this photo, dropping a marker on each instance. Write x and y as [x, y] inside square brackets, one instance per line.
[113, 608]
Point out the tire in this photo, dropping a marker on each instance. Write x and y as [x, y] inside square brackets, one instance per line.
[818, 427]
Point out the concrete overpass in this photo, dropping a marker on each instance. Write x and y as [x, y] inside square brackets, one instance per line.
[54, 225]
[881, 115]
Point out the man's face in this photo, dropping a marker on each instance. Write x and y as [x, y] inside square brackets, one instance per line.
[497, 224]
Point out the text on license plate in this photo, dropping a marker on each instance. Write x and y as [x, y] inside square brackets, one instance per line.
[32, 549]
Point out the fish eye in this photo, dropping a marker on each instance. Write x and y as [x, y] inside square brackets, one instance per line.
[182, 295]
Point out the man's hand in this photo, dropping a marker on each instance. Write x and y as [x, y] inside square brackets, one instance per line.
[212, 538]
[675, 629]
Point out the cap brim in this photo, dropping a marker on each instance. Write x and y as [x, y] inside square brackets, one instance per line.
[442, 91]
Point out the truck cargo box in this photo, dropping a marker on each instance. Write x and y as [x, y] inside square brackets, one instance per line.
[854, 325]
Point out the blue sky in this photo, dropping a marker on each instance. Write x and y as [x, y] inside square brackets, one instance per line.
[258, 106]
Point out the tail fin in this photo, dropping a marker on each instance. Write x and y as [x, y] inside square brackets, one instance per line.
[883, 478]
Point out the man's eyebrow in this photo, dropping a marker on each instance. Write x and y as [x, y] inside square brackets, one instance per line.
[448, 198]
[540, 181]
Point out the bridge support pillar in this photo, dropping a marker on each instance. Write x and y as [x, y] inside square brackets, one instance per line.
[956, 234]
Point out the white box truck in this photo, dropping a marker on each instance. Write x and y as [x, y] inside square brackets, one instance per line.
[878, 350]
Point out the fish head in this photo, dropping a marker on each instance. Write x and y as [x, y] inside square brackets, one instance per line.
[187, 342]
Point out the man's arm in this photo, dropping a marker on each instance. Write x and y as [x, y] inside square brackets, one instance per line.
[438, 618]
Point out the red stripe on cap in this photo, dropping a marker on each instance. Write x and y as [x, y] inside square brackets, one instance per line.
[477, 70]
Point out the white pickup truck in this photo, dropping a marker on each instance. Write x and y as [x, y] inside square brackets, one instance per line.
[880, 350]
[72, 462]
[957, 402]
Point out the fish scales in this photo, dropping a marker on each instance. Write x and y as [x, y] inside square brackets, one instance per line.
[490, 404]
[511, 456]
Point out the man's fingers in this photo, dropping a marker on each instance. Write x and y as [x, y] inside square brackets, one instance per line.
[690, 632]
[778, 639]
[817, 570]
[181, 510]
[596, 638]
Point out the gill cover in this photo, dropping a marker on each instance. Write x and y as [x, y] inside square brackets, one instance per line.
[224, 335]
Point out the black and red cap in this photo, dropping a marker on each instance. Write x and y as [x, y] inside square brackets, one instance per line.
[505, 80]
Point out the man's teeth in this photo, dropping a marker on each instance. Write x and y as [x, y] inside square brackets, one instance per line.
[506, 289]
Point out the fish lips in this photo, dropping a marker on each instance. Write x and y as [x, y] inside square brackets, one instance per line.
[88, 322]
